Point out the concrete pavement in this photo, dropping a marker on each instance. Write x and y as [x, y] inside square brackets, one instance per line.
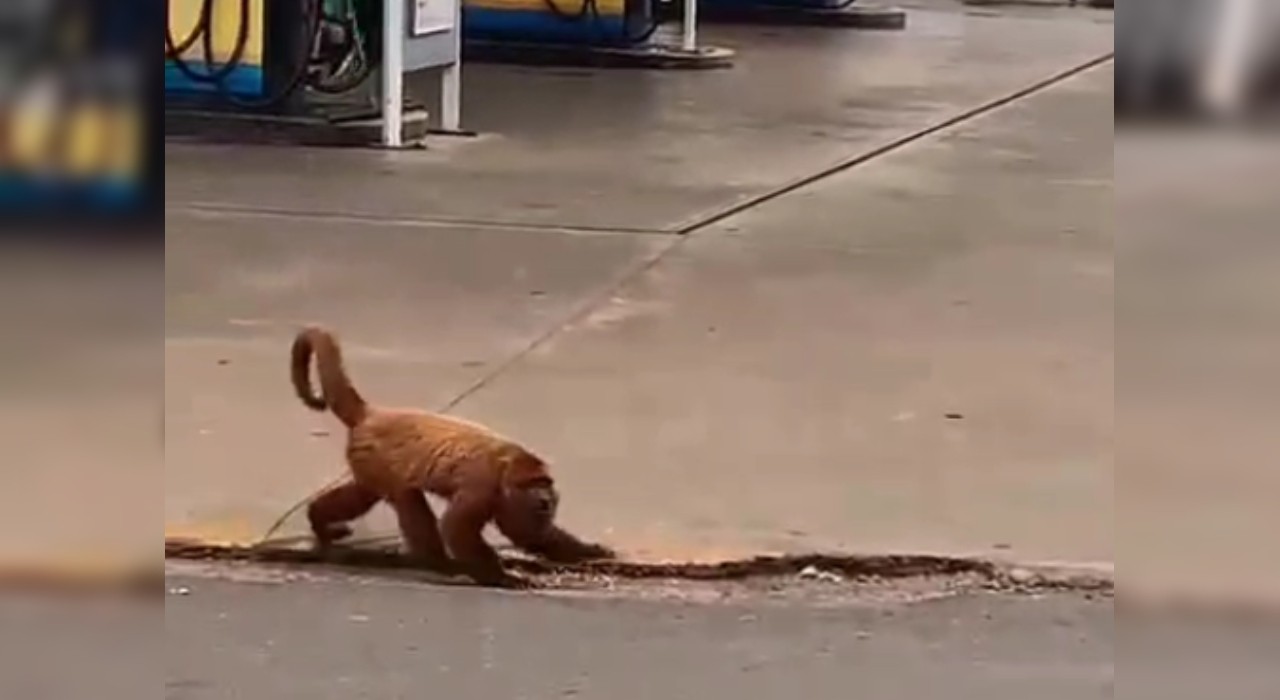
[1197, 312]
[911, 355]
[426, 315]
[639, 150]
[80, 415]
[914, 355]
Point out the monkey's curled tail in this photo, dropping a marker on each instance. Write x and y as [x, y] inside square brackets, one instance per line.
[336, 390]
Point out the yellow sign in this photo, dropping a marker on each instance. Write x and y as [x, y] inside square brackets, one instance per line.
[184, 18]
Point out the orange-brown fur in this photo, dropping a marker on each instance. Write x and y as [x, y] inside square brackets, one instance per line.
[394, 455]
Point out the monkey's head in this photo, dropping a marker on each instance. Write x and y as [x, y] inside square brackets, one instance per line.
[529, 494]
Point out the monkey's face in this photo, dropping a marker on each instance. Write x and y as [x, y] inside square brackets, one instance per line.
[529, 497]
[533, 503]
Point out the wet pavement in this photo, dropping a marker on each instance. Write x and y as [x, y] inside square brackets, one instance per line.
[426, 315]
[913, 354]
[659, 150]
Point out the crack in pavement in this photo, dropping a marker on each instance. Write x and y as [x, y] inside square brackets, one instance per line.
[219, 208]
[715, 217]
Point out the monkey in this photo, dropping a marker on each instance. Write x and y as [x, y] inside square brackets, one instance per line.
[397, 456]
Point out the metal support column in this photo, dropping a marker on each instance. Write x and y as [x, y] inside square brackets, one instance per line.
[421, 35]
[689, 28]
[393, 33]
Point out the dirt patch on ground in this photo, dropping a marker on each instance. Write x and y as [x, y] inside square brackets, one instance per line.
[811, 577]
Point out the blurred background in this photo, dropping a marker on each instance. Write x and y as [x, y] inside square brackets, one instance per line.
[76, 123]
[1215, 59]
[1196, 94]
[80, 363]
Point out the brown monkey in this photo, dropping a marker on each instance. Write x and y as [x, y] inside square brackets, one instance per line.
[396, 454]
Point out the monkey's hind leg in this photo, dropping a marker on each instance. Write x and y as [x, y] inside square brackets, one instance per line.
[420, 530]
[554, 544]
[330, 512]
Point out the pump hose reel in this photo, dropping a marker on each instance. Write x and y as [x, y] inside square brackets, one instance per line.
[332, 56]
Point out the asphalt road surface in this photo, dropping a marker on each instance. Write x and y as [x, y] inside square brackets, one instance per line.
[262, 636]
[347, 639]
[333, 640]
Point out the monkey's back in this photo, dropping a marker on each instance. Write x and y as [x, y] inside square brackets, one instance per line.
[393, 450]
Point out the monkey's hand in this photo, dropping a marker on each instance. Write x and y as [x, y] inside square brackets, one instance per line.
[558, 545]
[595, 551]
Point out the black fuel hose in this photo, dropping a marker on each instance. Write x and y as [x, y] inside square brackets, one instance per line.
[203, 32]
[363, 50]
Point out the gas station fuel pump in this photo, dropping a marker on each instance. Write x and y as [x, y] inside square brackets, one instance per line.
[306, 65]
[257, 54]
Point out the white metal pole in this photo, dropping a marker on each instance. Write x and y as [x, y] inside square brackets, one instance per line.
[689, 33]
[393, 35]
[451, 78]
